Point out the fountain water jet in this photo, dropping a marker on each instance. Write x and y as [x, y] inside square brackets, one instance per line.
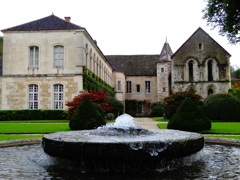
[122, 146]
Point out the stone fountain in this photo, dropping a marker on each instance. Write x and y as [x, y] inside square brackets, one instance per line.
[122, 146]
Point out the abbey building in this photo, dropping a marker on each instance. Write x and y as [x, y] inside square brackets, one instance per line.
[43, 64]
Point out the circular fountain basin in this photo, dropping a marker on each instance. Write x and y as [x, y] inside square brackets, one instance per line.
[116, 148]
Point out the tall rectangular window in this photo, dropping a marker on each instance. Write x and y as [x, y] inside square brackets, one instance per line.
[58, 96]
[119, 86]
[129, 87]
[162, 70]
[33, 56]
[58, 56]
[147, 86]
[138, 88]
[33, 96]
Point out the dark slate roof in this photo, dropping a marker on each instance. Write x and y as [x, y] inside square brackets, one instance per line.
[166, 53]
[134, 65]
[51, 22]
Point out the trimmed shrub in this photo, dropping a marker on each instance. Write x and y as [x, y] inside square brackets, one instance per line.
[172, 102]
[189, 117]
[88, 115]
[222, 107]
[156, 110]
[117, 105]
[37, 114]
[110, 116]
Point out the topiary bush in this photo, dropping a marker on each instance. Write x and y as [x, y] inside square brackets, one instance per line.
[156, 110]
[222, 107]
[189, 117]
[172, 102]
[110, 116]
[88, 115]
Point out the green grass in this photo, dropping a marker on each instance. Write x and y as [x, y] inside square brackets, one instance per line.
[217, 128]
[33, 128]
[36, 121]
[224, 128]
[14, 137]
[232, 137]
[160, 119]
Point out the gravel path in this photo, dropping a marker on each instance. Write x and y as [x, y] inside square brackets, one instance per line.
[146, 123]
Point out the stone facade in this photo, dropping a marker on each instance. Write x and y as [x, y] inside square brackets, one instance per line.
[201, 64]
[43, 67]
[36, 57]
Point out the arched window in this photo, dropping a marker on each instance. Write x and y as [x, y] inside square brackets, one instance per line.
[210, 75]
[190, 71]
[32, 96]
[33, 56]
[58, 56]
[58, 96]
[210, 91]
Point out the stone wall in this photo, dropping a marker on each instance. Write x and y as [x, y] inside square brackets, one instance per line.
[15, 90]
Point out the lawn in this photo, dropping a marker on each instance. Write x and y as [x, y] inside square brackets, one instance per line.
[14, 137]
[36, 121]
[218, 128]
[33, 128]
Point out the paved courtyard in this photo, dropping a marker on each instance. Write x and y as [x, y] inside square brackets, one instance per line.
[146, 123]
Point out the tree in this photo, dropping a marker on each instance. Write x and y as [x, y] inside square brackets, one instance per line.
[172, 102]
[99, 97]
[88, 115]
[189, 117]
[224, 14]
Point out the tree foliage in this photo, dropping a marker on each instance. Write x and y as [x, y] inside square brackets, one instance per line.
[88, 115]
[99, 97]
[224, 14]
[189, 117]
[222, 107]
[172, 102]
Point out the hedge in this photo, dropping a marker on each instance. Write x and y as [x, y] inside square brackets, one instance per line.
[33, 115]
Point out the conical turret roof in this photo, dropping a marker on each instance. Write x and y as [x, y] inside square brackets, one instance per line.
[166, 53]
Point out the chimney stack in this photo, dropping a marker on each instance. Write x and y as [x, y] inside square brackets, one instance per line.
[68, 19]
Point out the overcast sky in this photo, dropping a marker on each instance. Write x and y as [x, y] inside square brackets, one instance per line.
[123, 27]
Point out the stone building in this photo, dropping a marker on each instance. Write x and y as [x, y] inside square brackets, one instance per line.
[201, 64]
[43, 64]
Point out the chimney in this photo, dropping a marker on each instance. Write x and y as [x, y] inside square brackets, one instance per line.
[68, 19]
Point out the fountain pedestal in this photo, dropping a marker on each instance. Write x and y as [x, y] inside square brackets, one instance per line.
[144, 150]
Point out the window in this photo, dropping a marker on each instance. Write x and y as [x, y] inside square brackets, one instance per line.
[200, 46]
[164, 89]
[33, 96]
[210, 76]
[33, 56]
[147, 86]
[129, 87]
[190, 71]
[162, 70]
[138, 88]
[119, 86]
[58, 56]
[58, 96]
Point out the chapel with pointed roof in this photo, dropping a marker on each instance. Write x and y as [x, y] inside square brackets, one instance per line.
[45, 63]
